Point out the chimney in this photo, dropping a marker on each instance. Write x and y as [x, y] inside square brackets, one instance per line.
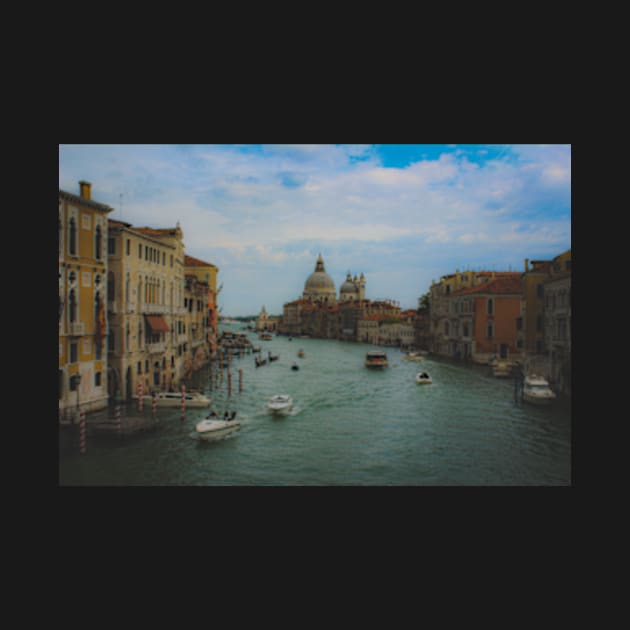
[86, 189]
[526, 265]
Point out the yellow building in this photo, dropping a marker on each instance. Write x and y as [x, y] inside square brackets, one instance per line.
[83, 234]
[148, 333]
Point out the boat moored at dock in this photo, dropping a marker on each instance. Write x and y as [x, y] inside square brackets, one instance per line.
[536, 390]
[174, 399]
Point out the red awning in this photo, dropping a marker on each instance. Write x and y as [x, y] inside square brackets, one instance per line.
[157, 323]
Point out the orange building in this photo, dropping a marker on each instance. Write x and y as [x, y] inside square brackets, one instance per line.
[487, 320]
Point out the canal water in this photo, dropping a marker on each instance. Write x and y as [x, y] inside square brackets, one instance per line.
[349, 426]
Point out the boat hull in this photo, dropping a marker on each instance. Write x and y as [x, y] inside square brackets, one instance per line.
[538, 400]
[210, 430]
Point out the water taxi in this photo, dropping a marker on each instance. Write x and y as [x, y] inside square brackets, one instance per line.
[214, 428]
[423, 378]
[536, 390]
[376, 359]
[174, 399]
[280, 403]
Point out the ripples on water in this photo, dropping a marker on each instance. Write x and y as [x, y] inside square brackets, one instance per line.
[349, 426]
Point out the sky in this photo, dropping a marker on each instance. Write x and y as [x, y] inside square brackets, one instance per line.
[402, 214]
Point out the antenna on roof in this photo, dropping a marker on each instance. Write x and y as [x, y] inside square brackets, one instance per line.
[121, 206]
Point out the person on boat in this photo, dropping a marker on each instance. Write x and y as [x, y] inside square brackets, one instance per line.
[226, 417]
[212, 414]
[233, 415]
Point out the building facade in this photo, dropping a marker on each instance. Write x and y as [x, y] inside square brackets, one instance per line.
[148, 319]
[476, 315]
[207, 273]
[83, 233]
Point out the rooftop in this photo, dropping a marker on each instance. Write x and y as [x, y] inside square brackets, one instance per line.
[506, 284]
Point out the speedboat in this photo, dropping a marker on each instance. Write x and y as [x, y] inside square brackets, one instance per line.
[423, 378]
[300, 353]
[279, 403]
[536, 390]
[214, 428]
[174, 399]
[413, 356]
[265, 336]
[376, 359]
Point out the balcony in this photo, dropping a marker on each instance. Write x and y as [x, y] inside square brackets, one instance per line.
[156, 348]
[76, 329]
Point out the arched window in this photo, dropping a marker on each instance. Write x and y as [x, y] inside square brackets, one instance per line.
[98, 243]
[72, 236]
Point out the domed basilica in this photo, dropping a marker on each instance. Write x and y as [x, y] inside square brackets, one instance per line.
[320, 313]
[320, 287]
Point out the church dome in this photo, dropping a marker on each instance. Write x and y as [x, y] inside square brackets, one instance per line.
[319, 284]
[348, 286]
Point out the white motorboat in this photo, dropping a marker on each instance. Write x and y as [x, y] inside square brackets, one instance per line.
[536, 390]
[280, 403]
[376, 359]
[423, 378]
[215, 428]
[174, 399]
[501, 368]
[413, 356]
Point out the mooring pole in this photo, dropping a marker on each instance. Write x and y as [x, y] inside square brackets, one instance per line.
[82, 447]
[240, 380]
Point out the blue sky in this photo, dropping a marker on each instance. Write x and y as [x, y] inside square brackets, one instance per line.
[401, 214]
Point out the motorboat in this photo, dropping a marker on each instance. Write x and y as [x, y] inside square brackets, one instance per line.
[300, 353]
[536, 390]
[174, 399]
[413, 356]
[214, 428]
[260, 361]
[273, 357]
[265, 336]
[295, 367]
[423, 378]
[280, 403]
[501, 368]
[376, 359]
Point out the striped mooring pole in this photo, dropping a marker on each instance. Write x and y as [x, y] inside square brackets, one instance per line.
[240, 379]
[140, 395]
[117, 419]
[183, 402]
[229, 381]
[82, 448]
[153, 404]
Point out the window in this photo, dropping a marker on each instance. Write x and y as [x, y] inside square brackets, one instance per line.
[111, 245]
[72, 237]
[139, 250]
[490, 330]
[540, 290]
[98, 243]
[490, 306]
[72, 307]
[128, 247]
[519, 323]
[139, 367]
[74, 352]
[97, 379]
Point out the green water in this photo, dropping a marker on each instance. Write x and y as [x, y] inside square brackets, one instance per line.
[349, 426]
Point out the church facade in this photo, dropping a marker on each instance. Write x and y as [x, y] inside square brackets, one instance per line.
[321, 313]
